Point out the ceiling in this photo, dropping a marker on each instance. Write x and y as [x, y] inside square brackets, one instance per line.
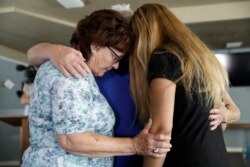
[25, 23]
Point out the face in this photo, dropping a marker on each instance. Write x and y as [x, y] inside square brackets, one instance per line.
[103, 59]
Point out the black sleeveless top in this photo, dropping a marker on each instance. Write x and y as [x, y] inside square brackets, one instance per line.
[193, 144]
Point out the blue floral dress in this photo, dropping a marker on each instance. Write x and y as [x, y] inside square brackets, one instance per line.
[61, 105]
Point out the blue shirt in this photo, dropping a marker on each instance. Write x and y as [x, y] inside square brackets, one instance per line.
[116, 90]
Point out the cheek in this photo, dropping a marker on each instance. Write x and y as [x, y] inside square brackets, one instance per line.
[106, 61]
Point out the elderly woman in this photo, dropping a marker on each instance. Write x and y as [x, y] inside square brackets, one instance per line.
[71, 123]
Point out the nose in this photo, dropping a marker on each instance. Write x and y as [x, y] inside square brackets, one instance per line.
[116, 65]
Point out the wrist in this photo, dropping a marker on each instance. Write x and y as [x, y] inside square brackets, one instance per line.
[225, 118]
[134, 145]
[53, 49]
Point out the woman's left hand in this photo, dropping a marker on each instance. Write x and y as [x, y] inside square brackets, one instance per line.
[217, 116]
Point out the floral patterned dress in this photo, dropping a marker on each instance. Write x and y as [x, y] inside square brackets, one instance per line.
[61, 105]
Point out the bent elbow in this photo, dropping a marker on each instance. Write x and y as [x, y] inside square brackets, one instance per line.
[238, 113]
[66, 142]
[166, 130]
[30, 53]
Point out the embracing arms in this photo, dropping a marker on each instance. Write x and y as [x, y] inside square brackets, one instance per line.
[228, 112]
[67, 60]
[88, 143]
[162, 95]
[95, 145]
[71, 62]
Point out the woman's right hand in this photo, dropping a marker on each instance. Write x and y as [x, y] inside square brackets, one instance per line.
[69, 61]
[154, 145]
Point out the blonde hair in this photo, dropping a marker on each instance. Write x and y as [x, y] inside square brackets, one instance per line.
[156, 26]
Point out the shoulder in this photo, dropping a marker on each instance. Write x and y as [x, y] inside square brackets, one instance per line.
[82, 83]
[164, 64]
[53, 76]
[163, 58]
[161, 53]
[48, 70]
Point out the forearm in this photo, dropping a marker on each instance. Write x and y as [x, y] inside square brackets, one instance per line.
[95, 145]
[40, 53]
[232, 111]
[155, 162]
[232, 115]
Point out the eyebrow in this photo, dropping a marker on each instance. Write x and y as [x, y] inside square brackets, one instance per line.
[118, 58]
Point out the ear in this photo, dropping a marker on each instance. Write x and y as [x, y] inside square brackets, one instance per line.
[94, 48]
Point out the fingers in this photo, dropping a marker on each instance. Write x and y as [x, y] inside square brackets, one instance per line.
[215, 111]
[70, 62]
[156, 155]
[213, 127]
[146, 142]
[82, 63]
[64, 71]
[84, 68]
[79, 54]
[79, 68]
[163, 145]
[214, 124]
[148, 125]
[215, 116]
[161, 137]
[75, 67]
[161, 152]
[72, 70]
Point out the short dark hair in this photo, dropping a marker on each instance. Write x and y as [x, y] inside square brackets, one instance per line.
[105, 27]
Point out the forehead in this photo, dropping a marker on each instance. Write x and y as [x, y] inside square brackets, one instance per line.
[116, 52]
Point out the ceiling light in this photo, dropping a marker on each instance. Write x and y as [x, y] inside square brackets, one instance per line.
[122, 7]
[71, 3]
[233, 44]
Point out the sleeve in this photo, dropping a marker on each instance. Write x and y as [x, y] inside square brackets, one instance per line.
[164, 65]
[71, 105]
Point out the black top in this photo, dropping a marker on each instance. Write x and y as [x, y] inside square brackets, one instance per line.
[193, 144]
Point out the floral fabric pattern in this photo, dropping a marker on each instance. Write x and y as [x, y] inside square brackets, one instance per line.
[60, 106]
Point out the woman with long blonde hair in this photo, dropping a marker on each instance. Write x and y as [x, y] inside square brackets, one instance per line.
[176, 80]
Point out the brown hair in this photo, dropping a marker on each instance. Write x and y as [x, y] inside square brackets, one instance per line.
[103, 28]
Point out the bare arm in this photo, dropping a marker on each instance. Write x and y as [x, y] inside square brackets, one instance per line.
[232, 112]
[66, 59]
[162, 95]
[95, 145]
[228, 112]
[39, 53]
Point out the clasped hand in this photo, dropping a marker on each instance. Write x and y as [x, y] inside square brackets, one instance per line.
[154, 145]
